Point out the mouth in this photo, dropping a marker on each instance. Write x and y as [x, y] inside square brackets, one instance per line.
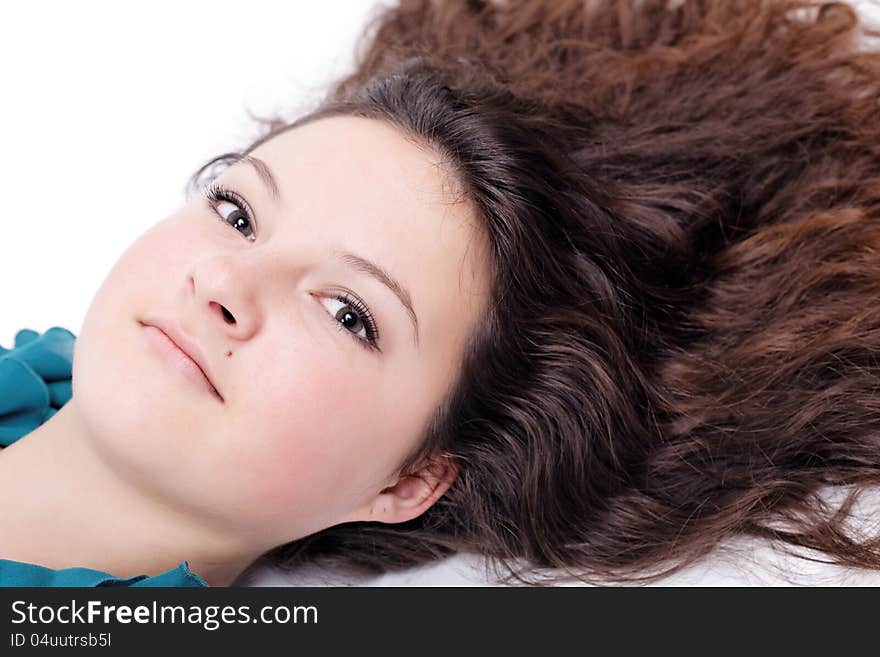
[173, 352]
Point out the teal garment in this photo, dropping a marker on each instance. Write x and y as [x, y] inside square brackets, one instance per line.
[35, 381]
[15, 573]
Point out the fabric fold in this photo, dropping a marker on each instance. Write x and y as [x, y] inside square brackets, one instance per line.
[15, 573]
[35, 380]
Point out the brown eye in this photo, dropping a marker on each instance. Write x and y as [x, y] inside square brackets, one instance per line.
[237, 218]
[353, 317]
[239, 215]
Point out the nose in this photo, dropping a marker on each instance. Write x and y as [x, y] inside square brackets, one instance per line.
[221, 294]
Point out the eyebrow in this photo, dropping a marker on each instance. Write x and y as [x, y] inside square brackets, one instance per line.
[370, 268]
[265, 174]
[352, 260]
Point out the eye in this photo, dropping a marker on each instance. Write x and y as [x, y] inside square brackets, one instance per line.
[239, 216]
[352, 316]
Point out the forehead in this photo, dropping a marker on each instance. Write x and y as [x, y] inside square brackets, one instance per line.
[370, 156]
[361, 186]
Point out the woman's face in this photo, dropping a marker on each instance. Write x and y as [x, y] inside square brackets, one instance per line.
[312, 422]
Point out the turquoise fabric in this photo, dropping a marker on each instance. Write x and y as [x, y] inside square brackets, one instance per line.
[15, 573]
[35, 381]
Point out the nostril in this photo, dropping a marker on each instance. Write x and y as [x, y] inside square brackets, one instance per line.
[226, 314]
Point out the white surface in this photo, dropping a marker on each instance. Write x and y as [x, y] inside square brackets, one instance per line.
[109, 107]
[743, 562]
[740, 562]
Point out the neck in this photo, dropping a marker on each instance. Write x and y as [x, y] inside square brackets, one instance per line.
[69, 509]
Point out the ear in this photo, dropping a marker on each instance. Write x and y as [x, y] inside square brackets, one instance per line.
[411, 494]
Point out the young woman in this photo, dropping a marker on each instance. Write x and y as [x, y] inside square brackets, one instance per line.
[584, 288]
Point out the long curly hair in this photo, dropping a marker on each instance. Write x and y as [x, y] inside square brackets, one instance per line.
[682, 203]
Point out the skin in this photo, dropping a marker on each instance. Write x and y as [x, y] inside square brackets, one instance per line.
[141, 469]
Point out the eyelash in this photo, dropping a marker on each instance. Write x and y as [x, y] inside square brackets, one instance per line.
[215, 193]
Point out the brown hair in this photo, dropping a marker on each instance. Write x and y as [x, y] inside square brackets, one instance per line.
[682, 203]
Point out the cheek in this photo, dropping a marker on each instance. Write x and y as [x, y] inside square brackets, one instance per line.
[144, 275]
[108, 352]
[116, 384]
[304, 449]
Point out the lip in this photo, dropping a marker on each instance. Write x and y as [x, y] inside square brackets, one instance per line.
[194, 366]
